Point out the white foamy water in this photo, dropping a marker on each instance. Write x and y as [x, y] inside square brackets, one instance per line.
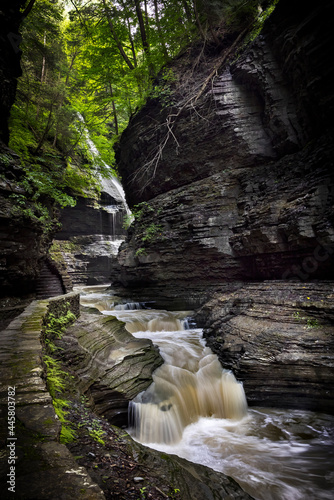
[197, 410]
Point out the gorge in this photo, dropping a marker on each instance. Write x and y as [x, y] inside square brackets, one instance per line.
[228, 170]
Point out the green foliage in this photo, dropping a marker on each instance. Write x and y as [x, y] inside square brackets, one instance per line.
[146, 233]
[93, 426]
[5, 159]
[175, 493]
[101, 60]
[259, 21]
[151, 232]
[310, 322]
[44, 126]
[56, 384]
[55, 327]
[141, 251]
[36, 212]
[56, 378]
[142, 492]
[97, 434]
[140, 210]
[164, 90]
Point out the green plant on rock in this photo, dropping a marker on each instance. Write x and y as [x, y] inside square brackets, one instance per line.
[141, 251]
[56, 383]
[151, 232]
[93, 426]
[146, 233]
[55, 327]
[310, 322]
[36, 212]
[175, 493]
[5, 159]
[97, 434]
[56, 377]
[142, 492]
[164, 90]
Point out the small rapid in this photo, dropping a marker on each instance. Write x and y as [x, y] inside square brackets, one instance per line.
[197, 410]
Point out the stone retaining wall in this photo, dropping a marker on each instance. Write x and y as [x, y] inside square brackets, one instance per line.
[30, 450]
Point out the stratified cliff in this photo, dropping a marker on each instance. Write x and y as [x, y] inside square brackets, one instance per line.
[236, 164]
[236, 173]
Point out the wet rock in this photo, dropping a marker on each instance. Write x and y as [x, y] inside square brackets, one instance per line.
[278, 338]
[42, 465]
[246, 192]
[91, 234]
[109, 363]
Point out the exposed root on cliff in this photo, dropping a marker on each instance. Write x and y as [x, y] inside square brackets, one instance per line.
[146, 173]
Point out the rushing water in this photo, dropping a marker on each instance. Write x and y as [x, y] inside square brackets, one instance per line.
[198, 411]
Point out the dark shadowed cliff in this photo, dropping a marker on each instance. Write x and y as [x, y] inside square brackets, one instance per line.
[236, 172]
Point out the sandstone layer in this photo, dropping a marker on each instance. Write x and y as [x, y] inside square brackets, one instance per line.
[278, 339]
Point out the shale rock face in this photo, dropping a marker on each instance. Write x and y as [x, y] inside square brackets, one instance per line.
[278, 339]
[109, 362]
[238, 178]
[243, 189]
[91, 234]
[24, 241]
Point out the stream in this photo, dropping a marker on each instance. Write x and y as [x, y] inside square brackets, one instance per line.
[197, 410]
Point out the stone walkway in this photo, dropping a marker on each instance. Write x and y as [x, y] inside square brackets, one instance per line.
[33, 463]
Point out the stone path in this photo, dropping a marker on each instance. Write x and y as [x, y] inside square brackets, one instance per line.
[36, 465]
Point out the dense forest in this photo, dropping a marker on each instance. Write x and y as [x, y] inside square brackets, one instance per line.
[88, 67]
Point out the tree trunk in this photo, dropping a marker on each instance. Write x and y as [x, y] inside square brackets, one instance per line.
[198, 22]
[46, 131]
[187, 11]
[161, 39]
[143, 35]
[114, 34]
[114, 109]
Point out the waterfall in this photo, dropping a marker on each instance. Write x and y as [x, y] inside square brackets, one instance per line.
[197, 410]
[111, 185]
[191, 384]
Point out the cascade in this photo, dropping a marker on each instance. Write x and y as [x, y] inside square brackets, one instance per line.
[197, 410]
[94, 229]
[111, 185]
[190, 385]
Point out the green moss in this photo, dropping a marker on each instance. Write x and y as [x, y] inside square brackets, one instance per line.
[56, 377]
[48, 422]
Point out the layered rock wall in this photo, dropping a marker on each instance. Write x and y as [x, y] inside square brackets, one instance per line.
[110, 364]
[91, 234]
[278, 339]
[243, 185]
[238, 180]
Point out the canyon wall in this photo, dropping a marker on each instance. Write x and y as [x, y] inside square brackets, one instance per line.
[236, 167]
[233, 174]
[91, 234]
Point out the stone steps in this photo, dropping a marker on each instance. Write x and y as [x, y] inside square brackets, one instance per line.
[49, 284]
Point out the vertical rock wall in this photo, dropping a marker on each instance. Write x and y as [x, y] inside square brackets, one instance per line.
[90, 237]
[243, 187]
